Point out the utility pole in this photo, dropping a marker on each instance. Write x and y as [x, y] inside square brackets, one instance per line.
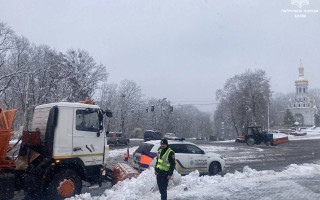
[26, 107]
[122, 114]
[268, 116]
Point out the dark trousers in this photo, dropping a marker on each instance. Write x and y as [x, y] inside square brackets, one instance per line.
[162, 181]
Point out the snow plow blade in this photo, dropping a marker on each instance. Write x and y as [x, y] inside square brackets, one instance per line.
[280, 140]
[240, 139]
[122, 171]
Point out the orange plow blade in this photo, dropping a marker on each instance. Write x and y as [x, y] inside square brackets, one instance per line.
[280, 140]
[122, 171]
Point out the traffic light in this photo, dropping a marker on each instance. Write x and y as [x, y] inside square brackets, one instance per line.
[152, 108]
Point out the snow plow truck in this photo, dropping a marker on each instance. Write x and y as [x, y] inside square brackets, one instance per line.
[255, 135]
[66, 145]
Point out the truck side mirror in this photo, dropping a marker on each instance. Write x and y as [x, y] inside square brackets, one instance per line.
[108, 113]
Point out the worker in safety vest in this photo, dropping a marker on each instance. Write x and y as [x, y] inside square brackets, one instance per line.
[164, 167]
[127, 155]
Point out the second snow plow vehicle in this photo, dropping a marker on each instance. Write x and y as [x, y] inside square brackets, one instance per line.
[65, 147]
[255, 135]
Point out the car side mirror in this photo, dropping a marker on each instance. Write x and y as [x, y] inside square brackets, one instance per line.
[202, 152]
[98, 134]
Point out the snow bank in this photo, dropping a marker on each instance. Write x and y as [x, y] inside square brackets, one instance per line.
[249, 184]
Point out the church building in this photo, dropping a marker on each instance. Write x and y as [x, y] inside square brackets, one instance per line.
[303, 106]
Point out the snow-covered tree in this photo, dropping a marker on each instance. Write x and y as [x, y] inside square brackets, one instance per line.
[85, 74]
[288, 118]
[244, 101]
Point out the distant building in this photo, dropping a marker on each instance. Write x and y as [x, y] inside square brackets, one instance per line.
[303, 106]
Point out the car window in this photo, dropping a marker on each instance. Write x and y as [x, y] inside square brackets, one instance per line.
[119, 134]
[179, 148]
[193, 149]
[110, 135]
[87, 121]
[145, 148]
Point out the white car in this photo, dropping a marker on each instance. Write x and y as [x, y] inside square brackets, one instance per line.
[189, 157]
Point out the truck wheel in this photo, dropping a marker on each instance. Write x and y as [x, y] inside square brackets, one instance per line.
[214, 168]
[250, 141]
[64, 184]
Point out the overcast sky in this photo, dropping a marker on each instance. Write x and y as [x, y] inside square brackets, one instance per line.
[179, 49]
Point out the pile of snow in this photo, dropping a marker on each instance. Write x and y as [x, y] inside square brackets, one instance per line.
[279, 135]
[249, 184]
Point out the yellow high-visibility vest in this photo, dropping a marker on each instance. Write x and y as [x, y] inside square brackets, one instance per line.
[163, 163]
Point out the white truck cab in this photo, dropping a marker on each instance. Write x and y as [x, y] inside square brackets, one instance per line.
[72, 130]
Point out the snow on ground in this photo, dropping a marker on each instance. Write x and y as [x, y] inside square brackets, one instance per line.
[121, 152]
[14, 141]
[224, 141]
[292, 183]
[136, 139]
[209, 148]
[312, 134]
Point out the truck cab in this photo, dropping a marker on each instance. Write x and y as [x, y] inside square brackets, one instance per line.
[65, 146]
[72, 130]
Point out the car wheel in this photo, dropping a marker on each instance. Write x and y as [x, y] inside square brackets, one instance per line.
[64, 184]
[214, 168]
[250, 141]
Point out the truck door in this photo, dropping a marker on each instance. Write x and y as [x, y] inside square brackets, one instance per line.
[88, 140]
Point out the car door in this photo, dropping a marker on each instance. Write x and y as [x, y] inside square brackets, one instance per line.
[197, 158]
[182, 158]
[123, 138]
[119, 137]
[88, 140]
